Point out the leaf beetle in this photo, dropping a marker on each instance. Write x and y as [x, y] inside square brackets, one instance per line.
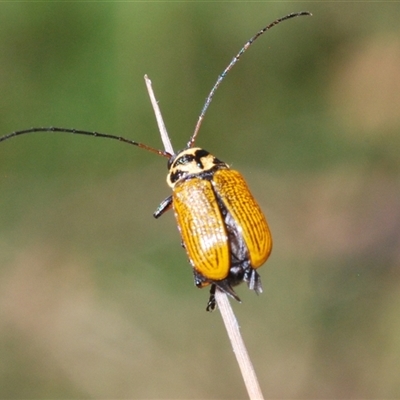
[223, 230]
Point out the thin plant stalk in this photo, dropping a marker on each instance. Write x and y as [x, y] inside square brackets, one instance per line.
[225, 308]
[238, 345]
[160, 122]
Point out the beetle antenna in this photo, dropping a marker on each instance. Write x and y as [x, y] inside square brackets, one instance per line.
[230, 66]
[95, 134]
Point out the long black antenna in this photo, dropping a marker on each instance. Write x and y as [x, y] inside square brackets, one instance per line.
[79, 132]
[230, 66]
[199, 121]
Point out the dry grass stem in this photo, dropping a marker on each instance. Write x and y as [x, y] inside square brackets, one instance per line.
[160, 122]
[231, 324]
[239, 348]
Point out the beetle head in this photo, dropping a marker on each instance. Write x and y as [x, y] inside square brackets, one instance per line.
[191, 161]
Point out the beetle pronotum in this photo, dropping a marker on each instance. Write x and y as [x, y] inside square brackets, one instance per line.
[223, 230]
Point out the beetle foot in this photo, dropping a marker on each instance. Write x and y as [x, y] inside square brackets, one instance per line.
[225, 286]
[253, 280]
[211, 305]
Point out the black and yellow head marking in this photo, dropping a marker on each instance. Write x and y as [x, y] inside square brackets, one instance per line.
[191, 162]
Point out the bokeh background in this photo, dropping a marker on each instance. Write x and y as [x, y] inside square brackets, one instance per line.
[96, 296]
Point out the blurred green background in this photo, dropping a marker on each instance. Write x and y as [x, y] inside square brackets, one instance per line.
[96, 296]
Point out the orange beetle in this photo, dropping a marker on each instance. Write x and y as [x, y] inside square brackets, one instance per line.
[223, 229]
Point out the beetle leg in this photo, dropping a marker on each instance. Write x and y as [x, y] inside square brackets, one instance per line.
[253, 280]
[227, 288]
[223, 285]
[211, 305]
[163, 207]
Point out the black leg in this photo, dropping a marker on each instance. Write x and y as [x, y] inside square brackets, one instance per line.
[211, 305]
[163, 207]
[226, 287]
[254, 281]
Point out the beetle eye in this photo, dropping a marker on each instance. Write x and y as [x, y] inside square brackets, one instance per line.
[186, 159]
